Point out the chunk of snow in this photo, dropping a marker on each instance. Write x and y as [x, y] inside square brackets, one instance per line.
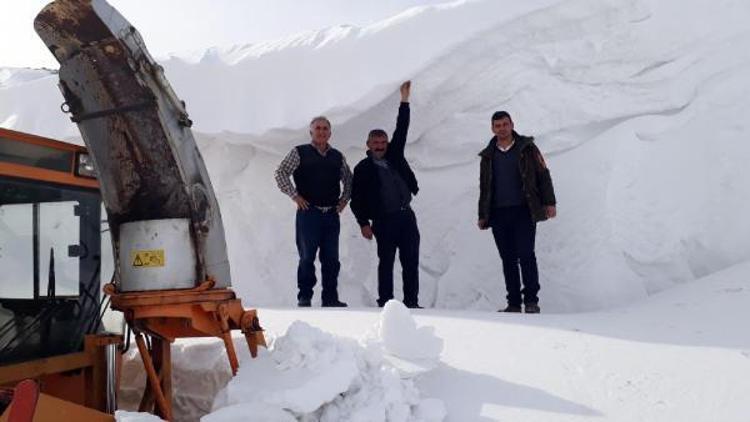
[124, 416]
[309, 372]
[401, 337]
[305, 369]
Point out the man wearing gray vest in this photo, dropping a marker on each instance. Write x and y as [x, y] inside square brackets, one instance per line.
[319, 171]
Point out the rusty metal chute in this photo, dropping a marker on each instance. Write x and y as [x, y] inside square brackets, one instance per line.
[135, 127]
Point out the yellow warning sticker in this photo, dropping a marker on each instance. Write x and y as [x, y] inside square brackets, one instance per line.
[152, 258]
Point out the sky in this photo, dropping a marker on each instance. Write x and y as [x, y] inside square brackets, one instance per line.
[189, 25]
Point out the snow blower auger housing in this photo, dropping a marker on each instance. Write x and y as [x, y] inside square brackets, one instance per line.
[172, 274]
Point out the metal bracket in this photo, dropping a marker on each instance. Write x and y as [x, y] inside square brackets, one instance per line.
[111, 111]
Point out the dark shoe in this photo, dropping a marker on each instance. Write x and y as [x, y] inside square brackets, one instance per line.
[382, 303]
[303, 303]
[334, 304]
[511, 308]
[413, 306]
[532, 308]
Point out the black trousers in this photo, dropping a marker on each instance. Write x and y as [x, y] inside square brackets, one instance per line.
[318, 231]
[515, 234]
[393, 231]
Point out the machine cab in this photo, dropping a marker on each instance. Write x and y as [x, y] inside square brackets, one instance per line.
[50, 247]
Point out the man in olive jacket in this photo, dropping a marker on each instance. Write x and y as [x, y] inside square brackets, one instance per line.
[515, 192]
[382, 190]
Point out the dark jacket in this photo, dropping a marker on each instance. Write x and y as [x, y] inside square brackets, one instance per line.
[535, 178]
[366, 200]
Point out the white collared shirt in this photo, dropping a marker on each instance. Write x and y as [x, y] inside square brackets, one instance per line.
[505, 149]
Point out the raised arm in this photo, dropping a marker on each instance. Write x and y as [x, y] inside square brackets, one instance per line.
[398, 142]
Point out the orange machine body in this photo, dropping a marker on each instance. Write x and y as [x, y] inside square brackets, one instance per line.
[77, 376]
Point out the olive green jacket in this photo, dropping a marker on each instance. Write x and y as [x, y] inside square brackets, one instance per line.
[535, 177]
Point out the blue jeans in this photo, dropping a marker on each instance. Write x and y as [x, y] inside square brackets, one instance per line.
[515, 234]
[318, 230]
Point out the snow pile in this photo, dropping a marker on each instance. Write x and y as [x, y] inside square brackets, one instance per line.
[306, 371]
[639, 105]
[309, 374]
[305, 368]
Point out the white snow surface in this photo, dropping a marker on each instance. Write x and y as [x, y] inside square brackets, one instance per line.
[679, 355]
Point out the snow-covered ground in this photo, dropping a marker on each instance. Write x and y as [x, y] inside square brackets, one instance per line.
[680, 355]
[641, 109]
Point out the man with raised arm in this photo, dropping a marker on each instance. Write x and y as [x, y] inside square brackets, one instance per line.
[319, 171]
[381, 196]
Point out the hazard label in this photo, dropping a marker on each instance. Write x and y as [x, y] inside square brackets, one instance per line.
[152, 258]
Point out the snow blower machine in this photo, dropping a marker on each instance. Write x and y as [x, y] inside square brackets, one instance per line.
[171, 270]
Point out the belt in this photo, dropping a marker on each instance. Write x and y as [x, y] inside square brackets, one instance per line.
[324, 209]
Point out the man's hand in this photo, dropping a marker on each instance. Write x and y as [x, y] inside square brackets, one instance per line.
[551, 211]
[367, 232]
[482, 224]
[405, 91]
[340, 207]
[301, 202]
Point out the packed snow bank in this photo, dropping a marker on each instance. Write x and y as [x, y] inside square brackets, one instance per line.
[11, 76]
[639, 118]
[342, 70]
[30, 102]
[281, 84]
[309, 374]
[639, 105]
